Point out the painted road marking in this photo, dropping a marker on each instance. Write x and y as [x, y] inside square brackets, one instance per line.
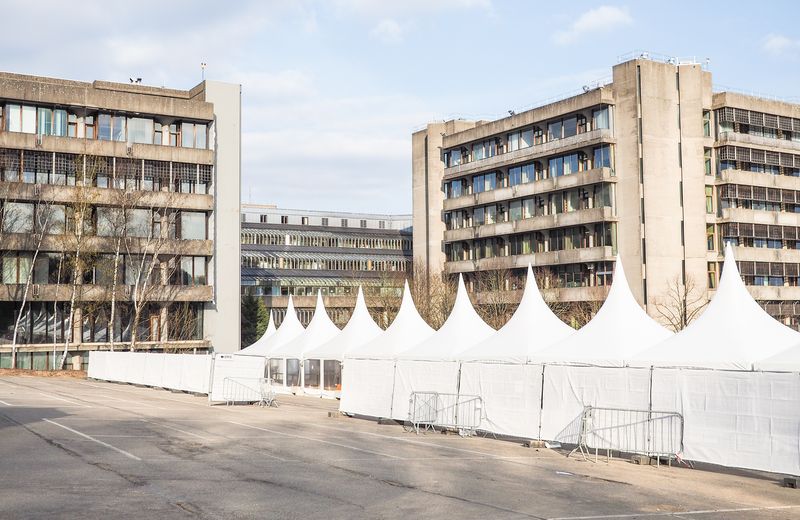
[89, 437]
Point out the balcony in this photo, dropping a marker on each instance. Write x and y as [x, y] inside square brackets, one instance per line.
[95, 147]
[571, 256]
[574, 218]
[765, 254]
[536, 151]
[102, 293]
[766, 180]
[753, 216]
[106, 196]
[593, 176]
[766, 293]
[95, 244]
[755, 141]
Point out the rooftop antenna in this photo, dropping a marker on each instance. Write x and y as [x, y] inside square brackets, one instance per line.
[203, 66]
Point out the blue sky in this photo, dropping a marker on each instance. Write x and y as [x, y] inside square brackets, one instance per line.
[333, 89]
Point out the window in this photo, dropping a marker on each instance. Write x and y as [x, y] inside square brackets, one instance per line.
[363, 223]
[304, 221]
[193, 270]
[324, 221]
[709, 199]
[104, 127]
[193, 225]
[344, 222]
[452, 158]
[118, 130]
[18, 217]
[139, 222]
[157, 134]
[570, 126]
[710, 237]
[706, 123]
[712, 275]
[382, 224]
[16, 267]
[72, 125]
[602, 157]
[554, 130]
[174, 135]
[109, 221]
[89, 126]
[600, 119]
[284, 219]
[707, 160]
[140, 130]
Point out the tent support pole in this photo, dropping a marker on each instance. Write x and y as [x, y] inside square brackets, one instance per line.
[394, 382]
[541, 403]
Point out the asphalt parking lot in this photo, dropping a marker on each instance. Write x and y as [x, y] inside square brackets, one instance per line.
[72, 448]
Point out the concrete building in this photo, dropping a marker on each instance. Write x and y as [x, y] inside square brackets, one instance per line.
[120, 218]
[653, 165]
[296, 252]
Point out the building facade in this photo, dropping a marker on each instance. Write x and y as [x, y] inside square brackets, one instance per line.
[297, 252]
[120, 218]
[654, 166]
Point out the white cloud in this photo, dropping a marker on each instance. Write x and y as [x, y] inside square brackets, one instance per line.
[387, 31]
[602, 19]
[778, 44]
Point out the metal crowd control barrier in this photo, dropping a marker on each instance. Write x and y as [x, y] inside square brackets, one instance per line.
[431, 410]
[248, 390]
[644, 432]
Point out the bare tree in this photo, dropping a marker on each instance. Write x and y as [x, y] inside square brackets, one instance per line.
[576, 314]
[46, 219]
[494, 299]
[681, 303]
[435, 298]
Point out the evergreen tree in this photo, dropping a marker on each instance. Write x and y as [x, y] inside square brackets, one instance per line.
[262, 319]
[249, 320]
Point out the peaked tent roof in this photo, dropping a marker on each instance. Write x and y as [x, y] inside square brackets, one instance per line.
[290, 328]
[620, 329]
[784, 361]
[262, 340]
[463, 329]
[732, 333]
[407, 329]
[359, 329]
[320, 329]
[533, 327]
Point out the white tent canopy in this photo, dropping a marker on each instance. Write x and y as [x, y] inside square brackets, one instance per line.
[785, 361]
[733, 333]
[290, 328]
[533, 327]
[264, 337]
[619, 330]
[320, 329]
[407, 329]
[462, 329]
[359, 329]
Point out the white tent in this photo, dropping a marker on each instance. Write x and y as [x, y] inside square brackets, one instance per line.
[320, 329]
[360, 329]
[263, 339]
[290, 328]
[407, 329]
[785, 361]
[619, 330]
[433, 365]
[533, 327]
[368, 371]
[497, 369]
[328, 357]
[462, 330]
[733, 333]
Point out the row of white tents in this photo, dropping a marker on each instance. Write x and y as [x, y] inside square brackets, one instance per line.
[733, 373]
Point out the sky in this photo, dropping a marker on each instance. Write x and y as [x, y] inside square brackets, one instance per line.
[333, 89]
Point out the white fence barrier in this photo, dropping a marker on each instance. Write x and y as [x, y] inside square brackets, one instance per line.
[431, 410]
[249, 390]
[186, 372]
[232, 365]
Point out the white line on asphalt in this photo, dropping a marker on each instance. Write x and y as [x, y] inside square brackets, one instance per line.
[7, 404]
[65, 400]
[677, 513]
[315, 440]
[177, 430]
[76, 432]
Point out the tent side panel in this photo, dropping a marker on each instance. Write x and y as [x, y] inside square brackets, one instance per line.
[739, 419]
[511, 396]
[367, 387]
[567, 390]
[421, 376]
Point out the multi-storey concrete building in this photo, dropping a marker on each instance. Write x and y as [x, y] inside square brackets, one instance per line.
[120, 217]
[297, 252]
[653, 165]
